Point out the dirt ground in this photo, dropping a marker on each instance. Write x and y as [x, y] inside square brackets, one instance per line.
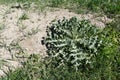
[21, 32]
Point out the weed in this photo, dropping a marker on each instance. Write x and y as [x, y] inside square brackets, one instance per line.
[2, 26]
[23, 17]
[82, 46]
[102, 61]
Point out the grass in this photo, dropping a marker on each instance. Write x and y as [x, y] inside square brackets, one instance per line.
[104, 68]
[2, 26]
[109, 7]
[24, 17]
[36, 69]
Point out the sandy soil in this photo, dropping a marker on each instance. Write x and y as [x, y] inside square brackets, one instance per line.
[19, 35]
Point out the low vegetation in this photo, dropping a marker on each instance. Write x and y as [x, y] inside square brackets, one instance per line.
[109, 7]
[77, 50]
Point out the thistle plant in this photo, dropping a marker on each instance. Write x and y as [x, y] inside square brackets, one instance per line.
[72, 42]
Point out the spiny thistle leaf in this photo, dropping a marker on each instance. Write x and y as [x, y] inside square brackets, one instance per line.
[72, 41]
